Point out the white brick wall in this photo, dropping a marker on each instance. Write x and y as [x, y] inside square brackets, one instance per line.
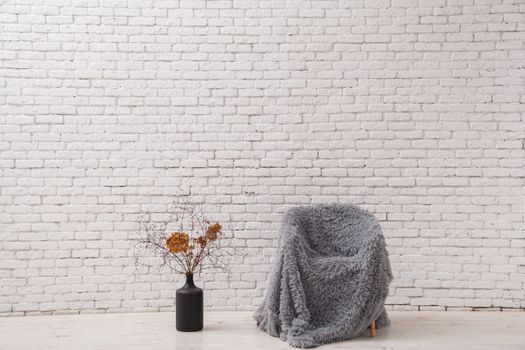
[412, 109]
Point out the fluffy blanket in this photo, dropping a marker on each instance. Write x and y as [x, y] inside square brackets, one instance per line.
[330, 279]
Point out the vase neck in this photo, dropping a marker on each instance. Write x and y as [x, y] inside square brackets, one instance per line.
[189, 280]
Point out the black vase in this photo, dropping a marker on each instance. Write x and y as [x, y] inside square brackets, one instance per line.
[188, 304]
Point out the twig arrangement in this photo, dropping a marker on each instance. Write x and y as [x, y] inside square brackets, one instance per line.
[186, 241]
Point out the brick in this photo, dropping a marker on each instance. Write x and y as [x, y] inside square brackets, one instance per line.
[259, 109]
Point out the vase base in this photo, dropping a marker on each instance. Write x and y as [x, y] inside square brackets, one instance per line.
[189, 330]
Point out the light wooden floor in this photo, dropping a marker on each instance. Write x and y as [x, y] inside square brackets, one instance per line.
[236, 330]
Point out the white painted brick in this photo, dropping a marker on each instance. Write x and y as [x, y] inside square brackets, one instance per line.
[260, 108]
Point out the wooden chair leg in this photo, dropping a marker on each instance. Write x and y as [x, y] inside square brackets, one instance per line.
[373, 329]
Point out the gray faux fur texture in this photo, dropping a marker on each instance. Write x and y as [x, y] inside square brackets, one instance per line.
[330, 278]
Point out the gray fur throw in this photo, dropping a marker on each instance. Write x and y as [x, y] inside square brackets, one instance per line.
[330, 279]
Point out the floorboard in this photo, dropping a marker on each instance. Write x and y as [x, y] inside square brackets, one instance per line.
[431, 330]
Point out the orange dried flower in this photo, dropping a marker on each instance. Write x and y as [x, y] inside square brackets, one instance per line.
[202, 241]
[178, 242]
[213, 230]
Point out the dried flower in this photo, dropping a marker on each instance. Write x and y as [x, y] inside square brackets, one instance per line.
[178, 242]
[195, 245]
[213, 230]
[202, 241]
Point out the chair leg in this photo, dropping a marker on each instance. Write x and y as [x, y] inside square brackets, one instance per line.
[373, 329]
